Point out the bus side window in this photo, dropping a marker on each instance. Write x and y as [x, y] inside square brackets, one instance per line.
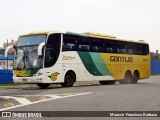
[68, 47]
[121, 47]
[97, 45]
[110, 46]
[49, 57]
[130, 51]
[139, 49]
[52, 49]
[109, 50]
[145, 49]
[142, 49]
[69, 43]
[84, 44]
[131, 48]
[84, 47]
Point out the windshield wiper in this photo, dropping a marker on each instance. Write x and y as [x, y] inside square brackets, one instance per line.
[28, 60]
[25, 59]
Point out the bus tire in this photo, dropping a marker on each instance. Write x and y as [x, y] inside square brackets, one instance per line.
[135, 77]
[43, 85]
[128, 78]
[107, 82]
[69, 79]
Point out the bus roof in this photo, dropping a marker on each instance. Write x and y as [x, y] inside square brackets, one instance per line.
[86, 34]
[99, 35]
[107, 36]
[40, 32]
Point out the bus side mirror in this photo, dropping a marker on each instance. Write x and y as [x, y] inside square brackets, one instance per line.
[40, 47]
[7, 49]
[14, 47]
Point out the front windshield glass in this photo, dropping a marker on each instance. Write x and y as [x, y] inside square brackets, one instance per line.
[31, 40]
[27, 58]
[26, 53]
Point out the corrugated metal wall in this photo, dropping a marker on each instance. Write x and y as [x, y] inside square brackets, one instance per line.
[6, 77]
[155, 67]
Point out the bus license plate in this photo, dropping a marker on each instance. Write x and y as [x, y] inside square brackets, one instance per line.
[24, 80]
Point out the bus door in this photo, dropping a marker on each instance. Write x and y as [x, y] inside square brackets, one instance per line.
[52, 60]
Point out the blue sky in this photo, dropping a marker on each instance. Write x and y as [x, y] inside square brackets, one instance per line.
[128, 19]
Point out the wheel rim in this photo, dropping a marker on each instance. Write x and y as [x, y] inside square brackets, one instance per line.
[135, 78]
[68, 79]
[128, 79]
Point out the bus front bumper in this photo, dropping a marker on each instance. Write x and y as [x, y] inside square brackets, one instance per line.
[37, 79]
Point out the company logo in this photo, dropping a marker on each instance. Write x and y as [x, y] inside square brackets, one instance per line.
[6, 114]
[54, 76]
[121, 59]
[68, 57]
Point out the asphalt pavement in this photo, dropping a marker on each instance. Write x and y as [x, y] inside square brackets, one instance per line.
[91, 96]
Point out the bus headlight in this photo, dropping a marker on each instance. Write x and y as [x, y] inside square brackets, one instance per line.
[38, 74]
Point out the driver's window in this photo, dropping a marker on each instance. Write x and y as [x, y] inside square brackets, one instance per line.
[52, 50]
[49, 57]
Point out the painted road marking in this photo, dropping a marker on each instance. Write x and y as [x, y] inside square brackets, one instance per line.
[24, 101]
[19, 99]
[9, 104]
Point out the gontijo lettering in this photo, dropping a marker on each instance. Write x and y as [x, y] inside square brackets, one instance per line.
[121, 59]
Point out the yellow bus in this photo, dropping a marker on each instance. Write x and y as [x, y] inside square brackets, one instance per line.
[53, 57]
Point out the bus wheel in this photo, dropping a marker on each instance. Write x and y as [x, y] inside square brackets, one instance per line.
[135, 78]
[69, 79]
[128, 78]
[43, 85]
[107, 82]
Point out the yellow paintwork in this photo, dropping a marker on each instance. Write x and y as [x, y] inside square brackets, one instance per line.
[39, 32]
[54, 76]
[20, 73]
[99, 35]
[118, 69]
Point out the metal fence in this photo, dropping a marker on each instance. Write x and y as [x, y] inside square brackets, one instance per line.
[6, 76]
[155, 67]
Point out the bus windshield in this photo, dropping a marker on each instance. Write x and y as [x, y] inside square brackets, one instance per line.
[26, 53]
[27, 58]
[31, 40]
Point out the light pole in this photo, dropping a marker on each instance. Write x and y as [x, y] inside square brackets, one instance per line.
[7, 56]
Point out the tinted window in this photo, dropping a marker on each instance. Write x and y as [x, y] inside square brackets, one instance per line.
[110, 46]
[131, 48]
[83, 44]
[79, 43]
[97, 45]
[142, 49]
[122, 47]
[145, 49]
[31, 40]
[52, 49]
[69, 43]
